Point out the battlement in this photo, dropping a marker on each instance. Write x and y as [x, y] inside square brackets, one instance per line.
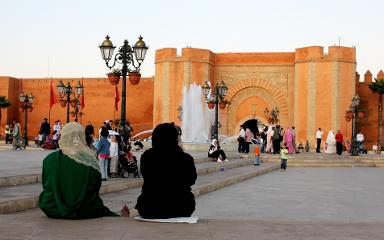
[194, 54]
[316, 53]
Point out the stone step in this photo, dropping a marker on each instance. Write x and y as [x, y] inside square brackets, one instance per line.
[22, 197]
[204, 184]
[35, 177]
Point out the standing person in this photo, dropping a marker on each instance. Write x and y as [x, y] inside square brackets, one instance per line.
[57, 127]
[284, 158]
[339, 142]
[241, 140]
[168, 174]
[16, 140]
[114, 155]
[289, 140]
[294, 139]
[330, 143]
[247, 140]
[264, 137]
[102, 151]
[256, 162]
[270, 133]
[89, 133]
[360, 142]
[216, 152]
[276, 140]
[45, 129]
[71, 179]
[319, 136]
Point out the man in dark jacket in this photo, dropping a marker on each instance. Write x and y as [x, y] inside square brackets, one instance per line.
[45, 130]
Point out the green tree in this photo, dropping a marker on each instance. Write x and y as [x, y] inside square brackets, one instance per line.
[378, 87]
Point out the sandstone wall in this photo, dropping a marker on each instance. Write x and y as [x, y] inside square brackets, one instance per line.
[99, 96]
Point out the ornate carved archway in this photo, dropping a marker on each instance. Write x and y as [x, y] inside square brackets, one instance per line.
[263, 89]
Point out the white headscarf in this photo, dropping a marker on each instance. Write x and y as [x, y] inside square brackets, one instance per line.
[72, 143]
[330, 137]
[214, 141]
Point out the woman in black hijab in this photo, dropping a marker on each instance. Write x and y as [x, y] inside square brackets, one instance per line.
[168, 174]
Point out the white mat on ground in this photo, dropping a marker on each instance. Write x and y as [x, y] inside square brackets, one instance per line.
[170, 220]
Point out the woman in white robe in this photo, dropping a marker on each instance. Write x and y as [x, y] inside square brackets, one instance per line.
[269, 148]
[330, 143]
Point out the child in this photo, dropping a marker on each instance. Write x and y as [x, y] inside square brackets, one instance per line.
[300, 147]
[307, 146]
[283, 156]
[256, 162]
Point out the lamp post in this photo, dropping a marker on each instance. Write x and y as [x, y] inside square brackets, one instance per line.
[353, 108]
[128, 57]
[26, 103]
[219, 94]
[69, 94]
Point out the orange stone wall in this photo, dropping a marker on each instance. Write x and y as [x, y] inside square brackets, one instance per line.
[310, 88]
[99, 98]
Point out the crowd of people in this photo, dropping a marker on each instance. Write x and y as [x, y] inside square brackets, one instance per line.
[272, 138]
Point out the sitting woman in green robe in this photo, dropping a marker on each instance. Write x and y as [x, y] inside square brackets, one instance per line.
[71, 179]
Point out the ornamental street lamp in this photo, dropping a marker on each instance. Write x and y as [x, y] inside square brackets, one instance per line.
[218, 97]
[131, 59]
[69, 95]
[353, 108]
[26, 103]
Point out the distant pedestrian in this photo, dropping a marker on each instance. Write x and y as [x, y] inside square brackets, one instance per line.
[339, 142]
[319, 136]
[284, 158]
[247, 139]
[89, 133]
[16, 141]
[288, 136]
[307, 147]
[360, 142]
[103, 152]
[276, 140]
[264, 137]
[256, 162]
[241, 140]
[269, 148]
[45, 129]
[294, 138]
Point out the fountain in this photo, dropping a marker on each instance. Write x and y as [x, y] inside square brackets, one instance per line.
[197, 117]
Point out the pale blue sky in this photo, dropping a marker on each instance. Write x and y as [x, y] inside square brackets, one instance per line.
[43, 38]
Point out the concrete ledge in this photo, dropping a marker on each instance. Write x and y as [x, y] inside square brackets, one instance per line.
[20, 180]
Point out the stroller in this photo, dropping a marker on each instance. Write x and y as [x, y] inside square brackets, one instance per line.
[127, 165]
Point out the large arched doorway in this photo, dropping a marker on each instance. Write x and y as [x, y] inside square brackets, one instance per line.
[252, 125]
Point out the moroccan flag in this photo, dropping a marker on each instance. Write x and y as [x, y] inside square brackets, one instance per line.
[117, 98]
[52, 97]
[82, 101]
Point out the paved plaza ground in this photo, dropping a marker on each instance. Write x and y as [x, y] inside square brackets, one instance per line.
[301, 203]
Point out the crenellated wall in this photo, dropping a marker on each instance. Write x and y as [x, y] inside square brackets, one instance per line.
[311, 87]
[99, 96]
